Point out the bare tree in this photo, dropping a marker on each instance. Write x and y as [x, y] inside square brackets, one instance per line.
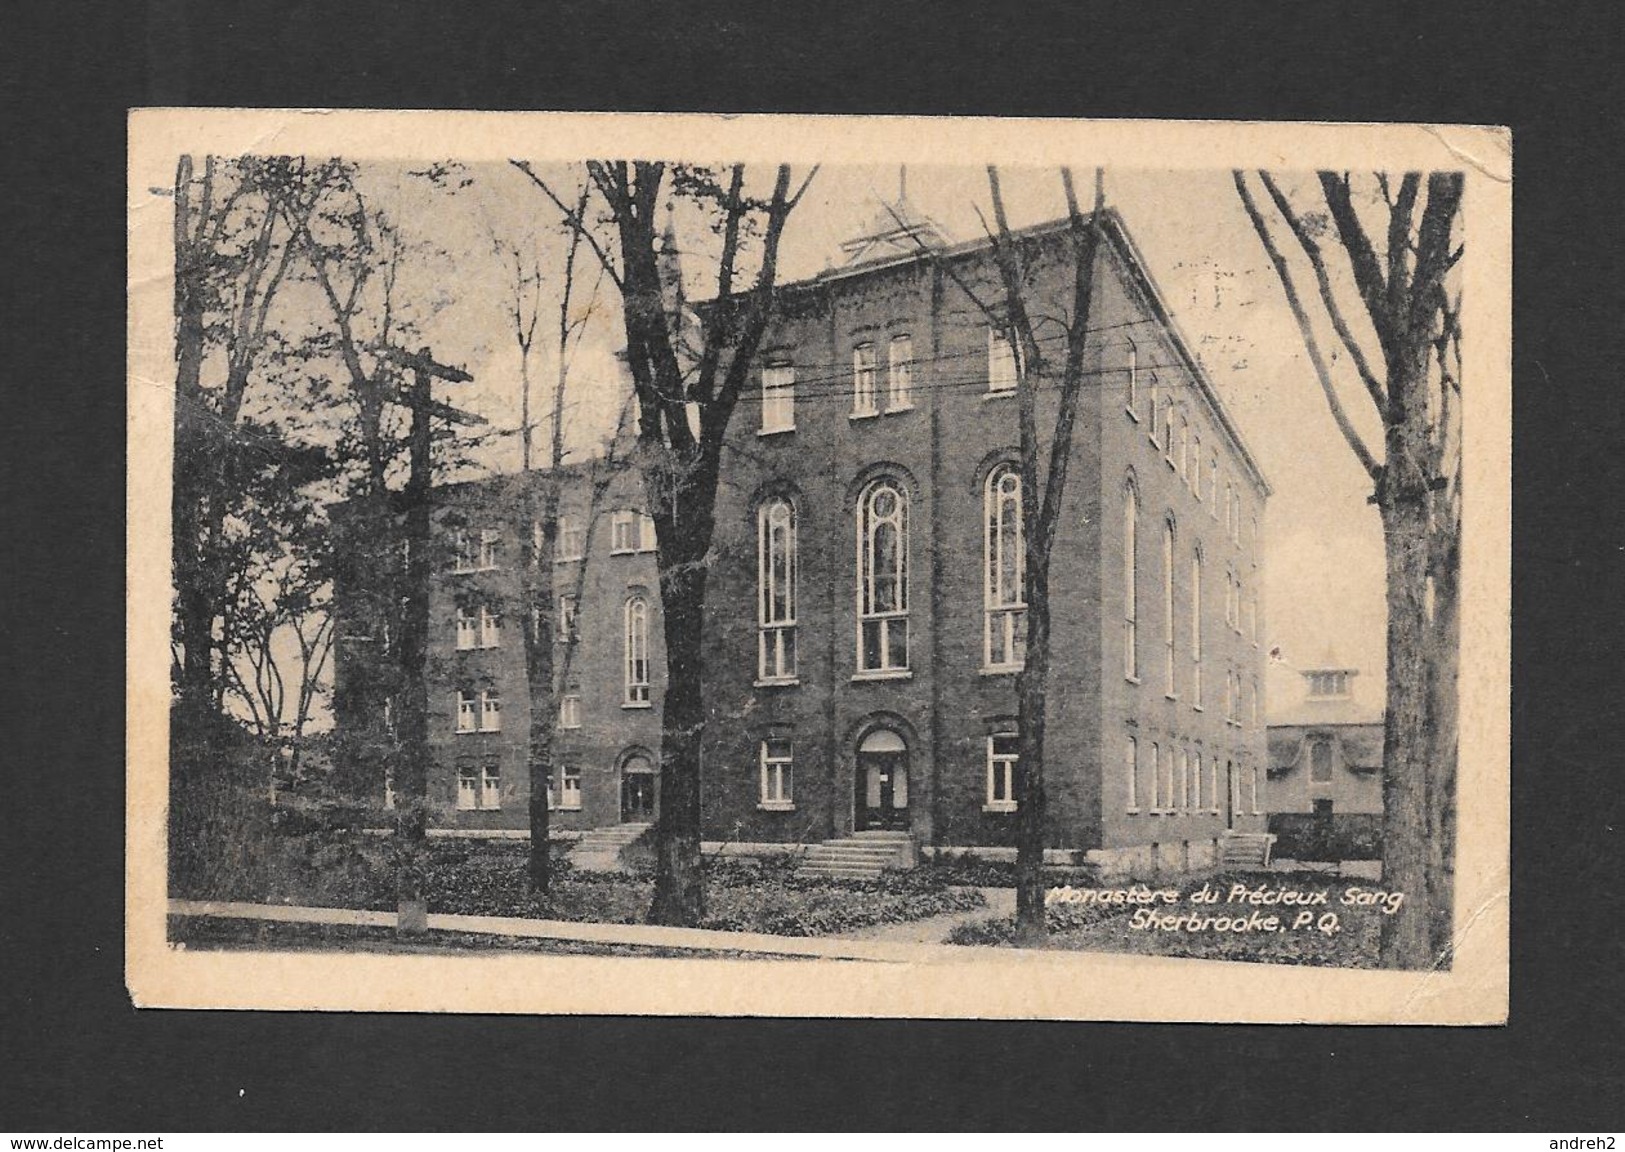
[685, 400]
[1412, 377]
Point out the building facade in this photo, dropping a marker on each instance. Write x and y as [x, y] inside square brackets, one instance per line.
[1325, 747]
[865, 619]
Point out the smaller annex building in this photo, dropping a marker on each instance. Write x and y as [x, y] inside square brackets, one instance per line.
[1325, 764]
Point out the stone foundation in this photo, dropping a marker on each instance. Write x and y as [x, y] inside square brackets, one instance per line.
[1158, 861]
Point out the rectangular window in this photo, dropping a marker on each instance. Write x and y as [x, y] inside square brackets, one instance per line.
[1003, 751]
[900, 373]
[468, 788]
[1253, 775]
[1196, 465]
[623, 532]
[1196, 630]
[1132, 764]
[468, 712]
[571, 541]
[490, 712]
[1153, 410]
[568, 621]
[463, 552]
[864, 401]
[1002, 363]
[1156, 779]
[1131, 383]
[491, 787]
[490, 628]
[570, 787]
[1213, 488]
[1196, 781]
[490, 542]
[779, 398]
[1213, 784]
[570, 710]
[1184, 792]
[646, 532]
[468, 629]
[777, 775]
[389, 785]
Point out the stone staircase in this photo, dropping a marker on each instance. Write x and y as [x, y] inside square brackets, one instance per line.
[1245, 849]
[600, 849]
[861, 856]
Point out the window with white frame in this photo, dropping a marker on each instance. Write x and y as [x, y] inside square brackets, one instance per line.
[1213, 784]
[1234, 787]
[490, 627]
[864, 401]
[623, 531]
[468, 629]
[570, 710]
[490, 711]
[1003, 589]
[1168, 431]
[1182, 453]
[1154, 411]
[900, 373]
[570, 786]
[1196, 781]
[1235, 517]
[1229, 507]
[464, 551]
[779, 398]
[468, 788]
[1253, 703]
[1196, 465]
[1196, 628]
[1131, 576]
[777, 774]
[1229, 696]
[1213, 487]
[1252, 619]
[490, 786]
[647, 541]
[1003, 753]
[389, 785]
[1253, 772]
[1236, 623]
[1172, 689]
[1131, 764]
[572, 540]
[490, 546]
[468, 711]
[569, 620]
[637, 652]
[1131, 378]
[1002, 362]
[1156, 778]
[882, 568]
[776, 591]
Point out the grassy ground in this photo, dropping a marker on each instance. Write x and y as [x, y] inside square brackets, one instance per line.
[488, 879]
[1111, 928]
[228, 935]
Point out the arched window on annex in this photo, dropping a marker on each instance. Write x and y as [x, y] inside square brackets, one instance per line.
[881, 517]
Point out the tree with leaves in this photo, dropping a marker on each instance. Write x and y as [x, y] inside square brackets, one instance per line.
[1398, 246]
[686, 394]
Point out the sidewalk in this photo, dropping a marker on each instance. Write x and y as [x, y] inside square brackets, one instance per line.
[934, 929]
[903, 948]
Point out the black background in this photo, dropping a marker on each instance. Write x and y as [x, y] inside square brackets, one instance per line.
[79, 1058]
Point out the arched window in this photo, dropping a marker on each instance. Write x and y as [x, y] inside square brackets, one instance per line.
[1182, 453]
[1156, 777]
[1004, 630]
[1196, 464]
[637, 652]
[1196, 628]
[1168, 607]
[1131, 519]
[882, 578]
[1168, 430]
[776, 583]
[1320, 762]
[1132, 764]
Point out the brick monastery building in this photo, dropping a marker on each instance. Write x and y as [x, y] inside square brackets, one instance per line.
[864, 616]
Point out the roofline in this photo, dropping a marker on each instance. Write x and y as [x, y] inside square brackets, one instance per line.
[1112, 224]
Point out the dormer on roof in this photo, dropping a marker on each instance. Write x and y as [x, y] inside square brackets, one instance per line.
[897, 229]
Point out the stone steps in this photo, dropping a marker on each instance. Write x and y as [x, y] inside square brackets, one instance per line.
[859, 857]
[1245, 849]
[600, 849]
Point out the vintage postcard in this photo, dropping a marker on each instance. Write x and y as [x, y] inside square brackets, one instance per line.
[813, 566]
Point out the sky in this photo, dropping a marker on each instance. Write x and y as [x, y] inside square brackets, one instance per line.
[1323, 559]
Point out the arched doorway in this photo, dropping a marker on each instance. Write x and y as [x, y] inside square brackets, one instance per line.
[637, 789]
[881, 782]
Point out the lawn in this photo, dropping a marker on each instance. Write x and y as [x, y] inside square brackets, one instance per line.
[488, 879]
[1349, 943]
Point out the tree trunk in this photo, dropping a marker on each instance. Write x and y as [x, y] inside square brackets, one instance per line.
[1444, 660]
[1031, 926]
[1406, 743]
[411, 824]
[540, 605]
[679, 896]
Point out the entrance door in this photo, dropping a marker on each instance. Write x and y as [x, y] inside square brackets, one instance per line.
[881, 800]
[637, 791]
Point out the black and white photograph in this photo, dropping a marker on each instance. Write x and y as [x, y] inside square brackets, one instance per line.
[789, 565]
